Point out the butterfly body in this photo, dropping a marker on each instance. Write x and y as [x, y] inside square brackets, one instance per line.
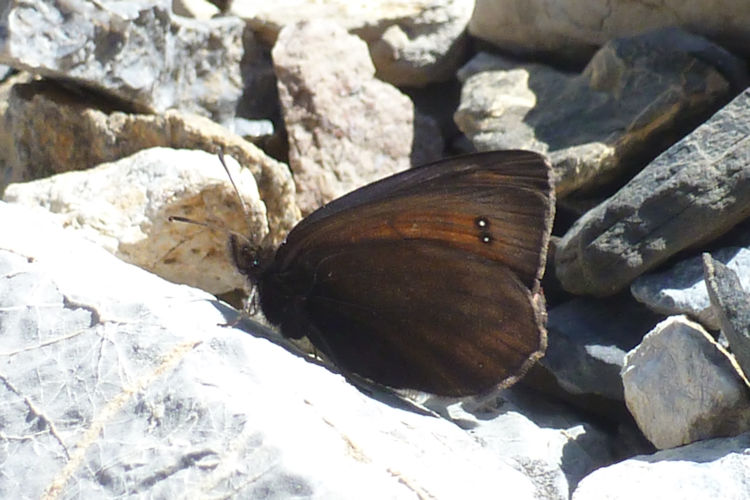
[428, 279]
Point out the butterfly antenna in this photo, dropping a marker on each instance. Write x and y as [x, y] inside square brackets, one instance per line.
[221, 227]
[245, 210]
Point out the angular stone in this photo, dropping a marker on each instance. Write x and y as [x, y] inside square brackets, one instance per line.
[587, 342]
[731, 304]
[51, 130]
[117, 383]
[551, 443]
[196, 9]
[681, 386]
[573, 29]
[346, 128]
[124, 207]
[136, 51]
[411, 43]
[681, 289]
[715, 468]
[635, 96]
[692, 193]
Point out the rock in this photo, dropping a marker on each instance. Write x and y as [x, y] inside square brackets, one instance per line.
[715, 468]
[346, 128]
[5, 71]
[411, 43]
[549, 442]
[260, 97]
[124, 207]
[573, 29]
[50, 130]
[681, 289]
[196, 9]
[635, 97]
[117, 383]
[135, 51]
[587, 342]
[731, 304]
[254, 130]
[681, 386]
[692, 193]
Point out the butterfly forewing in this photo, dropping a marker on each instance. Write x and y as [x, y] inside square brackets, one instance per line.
[497, 204]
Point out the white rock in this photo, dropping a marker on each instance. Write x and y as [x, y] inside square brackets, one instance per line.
[681, 289]
[681, 386]
[124, 205]
[550, 444]
[716, 468]
[117, 383]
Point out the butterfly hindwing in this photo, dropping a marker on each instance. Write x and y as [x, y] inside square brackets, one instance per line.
[423, 316]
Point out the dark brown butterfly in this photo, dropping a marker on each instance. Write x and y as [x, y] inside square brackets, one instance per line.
[428, 279]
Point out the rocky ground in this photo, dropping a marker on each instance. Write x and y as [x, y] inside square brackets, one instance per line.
[119, 375]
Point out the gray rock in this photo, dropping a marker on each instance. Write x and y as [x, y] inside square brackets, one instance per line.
[573, 29]
[587, 342]
[715, 468]
[681, 289]
[117, 383]
[411, 43]
[124, 207]
[50, 130]
[253, 130]
[681, 386]
[136, 51]
[634, 95]
[692, 193]
[731, 304]
[5, 71]
[196, 9]
[553, 446]
[346, 128]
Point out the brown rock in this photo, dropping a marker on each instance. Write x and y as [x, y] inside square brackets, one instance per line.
[54, 131]
[346, 128]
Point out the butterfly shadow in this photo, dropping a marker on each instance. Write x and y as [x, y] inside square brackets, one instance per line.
[391, 397]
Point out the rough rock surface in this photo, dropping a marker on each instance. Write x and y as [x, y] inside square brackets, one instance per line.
[692, 193]
[332, 102]
[49, 130]
[681, 386]
[731, 304]
[115, 382]
[681, 288]
[412, 43]
[136, 51]
[715, 468]
[124, 207]
[587, 342]
[600, 124]
[573, 29]
[164, 401]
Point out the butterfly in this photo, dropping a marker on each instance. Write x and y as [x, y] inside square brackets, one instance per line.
[428, 279]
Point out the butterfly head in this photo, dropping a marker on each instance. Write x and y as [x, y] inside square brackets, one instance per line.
[249, 259]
